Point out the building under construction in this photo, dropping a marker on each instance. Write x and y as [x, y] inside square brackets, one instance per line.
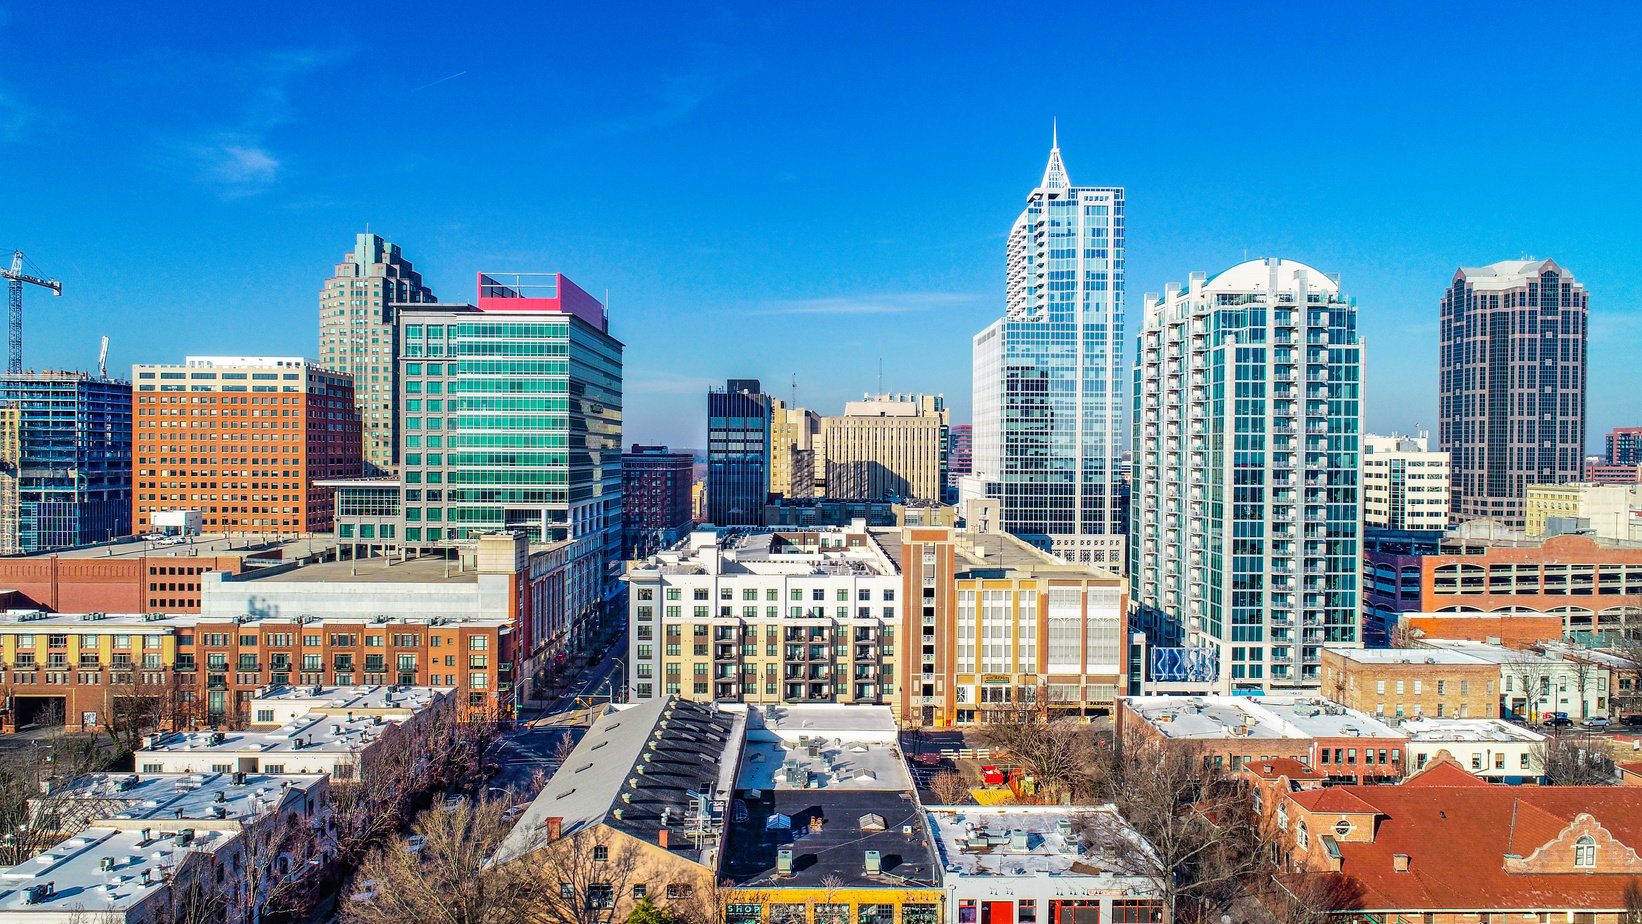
[65, 460]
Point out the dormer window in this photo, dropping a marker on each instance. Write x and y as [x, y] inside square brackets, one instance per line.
[1585, 852]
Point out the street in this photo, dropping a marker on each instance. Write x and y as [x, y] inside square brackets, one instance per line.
[535, 743]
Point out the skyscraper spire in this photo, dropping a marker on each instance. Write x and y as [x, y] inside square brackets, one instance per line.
[1054, 175]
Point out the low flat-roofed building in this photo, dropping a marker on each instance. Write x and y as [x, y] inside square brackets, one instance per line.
[1022, 864]
[1345, 744]
[831, 817]
[329, 741]
[1493, 749]
[138, 575]
[279, 705]
[1411, 682]
[143, 842]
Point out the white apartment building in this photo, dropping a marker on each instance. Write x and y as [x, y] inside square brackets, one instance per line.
[1535, 686]
[1405, 485]
[1245, 501]
[766, 617]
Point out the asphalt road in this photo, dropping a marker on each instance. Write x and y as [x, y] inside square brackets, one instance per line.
[528, 753]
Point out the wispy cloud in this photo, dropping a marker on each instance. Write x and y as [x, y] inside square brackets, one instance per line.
[885, 303]
[237, 157]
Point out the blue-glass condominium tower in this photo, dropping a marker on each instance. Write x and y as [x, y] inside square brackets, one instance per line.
[1246, 505]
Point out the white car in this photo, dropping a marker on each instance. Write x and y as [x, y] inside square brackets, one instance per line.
[513, 814]
[454, 802]
[415, 843]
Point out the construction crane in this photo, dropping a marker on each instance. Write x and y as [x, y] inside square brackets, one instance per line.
[14, 312]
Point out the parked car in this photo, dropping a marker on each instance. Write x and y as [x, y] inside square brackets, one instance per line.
[1596, 721]
[512, 814]
[452, 803]
[1633, 719]
[413, 844]
[1557, 721]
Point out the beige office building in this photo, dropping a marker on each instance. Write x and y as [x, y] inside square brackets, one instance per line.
[1606, 507]
[794, 434]
[1405, 485]
[885, 446]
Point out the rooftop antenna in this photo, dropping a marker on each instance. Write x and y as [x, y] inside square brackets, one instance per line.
[880, 375]
[794, 390]
[102, 360]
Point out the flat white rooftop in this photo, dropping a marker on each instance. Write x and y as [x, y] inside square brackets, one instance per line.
[1030, 841]
[309, 732]
[355, 699]
[1405, 656]
[101, 870]
[1480, 730]
[1268, 717]
[822, 746]
[174, 797]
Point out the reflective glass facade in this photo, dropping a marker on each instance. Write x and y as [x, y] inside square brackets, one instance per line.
[738, 453]
[65, 477]
[1048, 376]
[1247, 502]
[509, 420]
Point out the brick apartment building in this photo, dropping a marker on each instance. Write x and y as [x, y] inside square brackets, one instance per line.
[655, 497]
[242, 440]
[1411, 682]
[80, 662]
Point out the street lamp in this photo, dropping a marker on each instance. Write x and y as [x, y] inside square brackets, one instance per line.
[622, 686]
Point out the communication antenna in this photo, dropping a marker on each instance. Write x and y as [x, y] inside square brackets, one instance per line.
[880, 376]
[794, 390]
[102, 360]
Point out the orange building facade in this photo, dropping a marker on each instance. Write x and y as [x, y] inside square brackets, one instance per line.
[242, 440]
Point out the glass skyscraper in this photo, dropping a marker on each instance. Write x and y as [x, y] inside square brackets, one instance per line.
[1247, 506]
[65, 460]
[510, 416]
[1048, 375]
[738, 453]
[356, 336]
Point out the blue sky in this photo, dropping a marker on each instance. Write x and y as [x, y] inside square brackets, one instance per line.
[777, 189]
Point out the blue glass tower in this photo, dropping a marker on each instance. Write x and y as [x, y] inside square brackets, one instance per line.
[1048, 375]
[738, 453]
[65, 479]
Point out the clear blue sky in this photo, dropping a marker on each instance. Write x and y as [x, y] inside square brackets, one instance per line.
[769, 189]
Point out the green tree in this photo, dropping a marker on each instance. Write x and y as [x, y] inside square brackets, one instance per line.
[646, 912]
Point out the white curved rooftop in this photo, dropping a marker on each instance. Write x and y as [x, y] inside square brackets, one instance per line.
[1255, 276]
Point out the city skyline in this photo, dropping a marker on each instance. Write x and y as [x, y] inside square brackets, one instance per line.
[245, 152]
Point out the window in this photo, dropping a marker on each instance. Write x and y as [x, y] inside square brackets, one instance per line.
[640, 891]
[601, 853]
[1302, 837]
[1585, 852]
[1342, 828]
[1026, 908]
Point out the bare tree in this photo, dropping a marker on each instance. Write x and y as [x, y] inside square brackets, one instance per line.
[1311, 897]
[1529, 675]
[1584, 671]
[1573, 760]
[1633, 903]
[950, 787]
[39, 794]
[1204, 845]
[138, 704]
[1064, 757]
[446, 879]
[1628, 648]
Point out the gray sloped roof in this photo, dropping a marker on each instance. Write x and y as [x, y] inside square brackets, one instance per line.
[667, 747]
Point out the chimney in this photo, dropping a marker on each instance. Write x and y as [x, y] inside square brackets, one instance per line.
[661, 838]
[553, 826]
[1399, 862]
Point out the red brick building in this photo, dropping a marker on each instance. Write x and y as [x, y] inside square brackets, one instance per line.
[242, 440]
[1450, 848]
